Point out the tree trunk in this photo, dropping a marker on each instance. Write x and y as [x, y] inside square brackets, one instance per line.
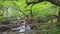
[58, 22]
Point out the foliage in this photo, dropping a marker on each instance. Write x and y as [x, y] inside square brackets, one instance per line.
[16, 9]
[42, 9]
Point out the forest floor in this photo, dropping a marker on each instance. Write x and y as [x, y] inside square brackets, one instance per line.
[15, 33]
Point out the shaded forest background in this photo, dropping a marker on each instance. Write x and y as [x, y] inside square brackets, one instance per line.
[37, 9]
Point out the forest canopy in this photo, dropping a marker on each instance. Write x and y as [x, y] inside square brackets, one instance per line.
[17, 8]
[29, 8]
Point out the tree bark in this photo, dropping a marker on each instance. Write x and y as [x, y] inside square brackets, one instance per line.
[58, 18]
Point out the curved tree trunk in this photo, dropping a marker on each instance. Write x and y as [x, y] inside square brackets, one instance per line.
[55, 2]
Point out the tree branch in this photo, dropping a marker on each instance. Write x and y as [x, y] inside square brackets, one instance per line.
[55, 2]
[20, 11]
[31, 11]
